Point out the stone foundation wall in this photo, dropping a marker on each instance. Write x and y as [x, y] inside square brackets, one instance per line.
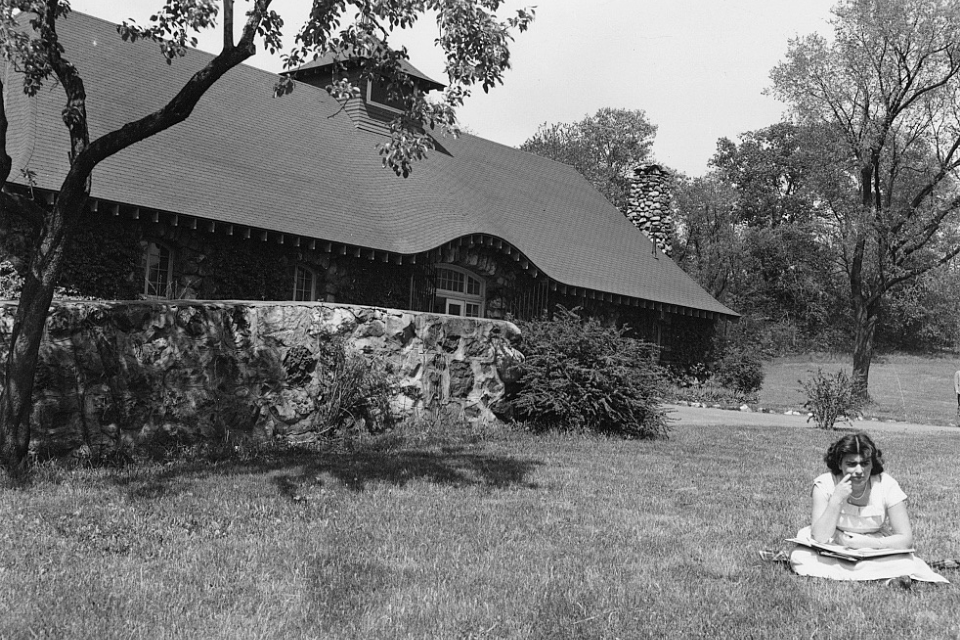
[125, 374]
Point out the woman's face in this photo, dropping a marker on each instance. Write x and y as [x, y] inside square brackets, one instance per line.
[858, 466]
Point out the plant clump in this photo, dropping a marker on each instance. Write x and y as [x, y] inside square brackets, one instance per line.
[829, 397]
[579, 374]
[355, 390]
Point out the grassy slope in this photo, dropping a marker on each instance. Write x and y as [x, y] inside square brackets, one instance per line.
[902, 387]
[512, 536]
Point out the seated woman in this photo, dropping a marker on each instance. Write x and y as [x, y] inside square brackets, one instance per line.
[859, 506]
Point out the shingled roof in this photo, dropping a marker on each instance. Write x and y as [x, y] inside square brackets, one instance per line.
[298, 165]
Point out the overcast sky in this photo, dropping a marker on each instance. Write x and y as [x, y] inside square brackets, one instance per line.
[696, 67]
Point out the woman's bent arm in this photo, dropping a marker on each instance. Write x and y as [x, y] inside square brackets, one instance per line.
[900, 538]
[826, 513]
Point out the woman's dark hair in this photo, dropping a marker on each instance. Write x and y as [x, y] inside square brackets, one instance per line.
[857, 444]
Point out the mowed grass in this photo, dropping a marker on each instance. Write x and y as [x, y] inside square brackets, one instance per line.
[904, 388]
[510, 535]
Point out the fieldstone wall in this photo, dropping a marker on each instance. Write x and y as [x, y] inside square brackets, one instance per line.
[648, 205]
[125, 374]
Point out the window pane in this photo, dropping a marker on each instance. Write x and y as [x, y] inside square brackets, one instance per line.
[158, 271]
[473, 286]
[449, 280]
[454, 309]
[473, 310]
[303, 285]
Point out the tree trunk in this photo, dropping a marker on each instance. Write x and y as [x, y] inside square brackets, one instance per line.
[865, 317]
[15, 398]
[38, 287]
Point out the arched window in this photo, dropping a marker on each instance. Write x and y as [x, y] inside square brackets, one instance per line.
[459, 292]
[304, 284]
[158, 271]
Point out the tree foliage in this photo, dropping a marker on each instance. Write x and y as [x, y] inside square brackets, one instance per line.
[885, 91]
[474, 39]
[601, 147]
[708, 244]
[769, 169]
[774, 275]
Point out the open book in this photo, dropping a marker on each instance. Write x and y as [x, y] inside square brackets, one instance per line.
[847, 554]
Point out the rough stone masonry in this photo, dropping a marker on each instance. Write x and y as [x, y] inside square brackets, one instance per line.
[125, 374]
[648, 204]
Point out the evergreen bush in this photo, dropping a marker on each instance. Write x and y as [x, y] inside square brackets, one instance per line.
[579, 374]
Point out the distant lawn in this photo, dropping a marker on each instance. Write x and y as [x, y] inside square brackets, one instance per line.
[902, 387]
[504, 536]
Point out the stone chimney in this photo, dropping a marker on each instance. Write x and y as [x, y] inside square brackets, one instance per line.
[648, 203]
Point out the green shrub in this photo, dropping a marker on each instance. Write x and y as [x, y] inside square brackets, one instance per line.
[829, 397]
[581, 375]
[739, 368]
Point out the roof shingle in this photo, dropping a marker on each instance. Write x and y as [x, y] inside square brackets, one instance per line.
[298, 165]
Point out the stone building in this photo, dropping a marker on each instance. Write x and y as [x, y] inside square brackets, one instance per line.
[264, 198]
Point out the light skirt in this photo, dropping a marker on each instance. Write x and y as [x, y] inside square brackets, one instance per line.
[807, 562]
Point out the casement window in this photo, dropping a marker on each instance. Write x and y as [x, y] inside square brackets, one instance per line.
[304, 284]
[459, 292]
[158, 271]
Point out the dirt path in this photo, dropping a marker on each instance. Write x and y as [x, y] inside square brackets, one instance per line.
[703, 417]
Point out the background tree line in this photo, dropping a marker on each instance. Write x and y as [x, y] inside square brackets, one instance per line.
[751, 232]
[836, 228]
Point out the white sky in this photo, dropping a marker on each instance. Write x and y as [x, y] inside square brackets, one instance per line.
[697, 67]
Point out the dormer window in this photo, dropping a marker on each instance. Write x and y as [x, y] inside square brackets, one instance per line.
[459, 292]
[378, 94]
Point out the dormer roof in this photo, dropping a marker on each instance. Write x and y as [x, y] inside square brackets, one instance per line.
[326, 65]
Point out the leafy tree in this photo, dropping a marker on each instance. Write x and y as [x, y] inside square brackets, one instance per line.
[474, 39]
[923, 314]
[885, 89]
[601, 147]
[773, 275]
[769, 170]
[708, 244]
[784, 278]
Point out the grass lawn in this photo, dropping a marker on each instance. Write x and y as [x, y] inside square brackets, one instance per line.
[902, 387]
[508, 535]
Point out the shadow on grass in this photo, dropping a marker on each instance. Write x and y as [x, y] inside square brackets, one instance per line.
[290, 471]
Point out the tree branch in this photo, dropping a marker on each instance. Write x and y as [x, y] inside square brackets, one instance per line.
[917, 271]
[181, 105]
[75, 111]
[227, 25]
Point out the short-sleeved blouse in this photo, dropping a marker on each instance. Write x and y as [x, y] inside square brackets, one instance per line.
[872, 517]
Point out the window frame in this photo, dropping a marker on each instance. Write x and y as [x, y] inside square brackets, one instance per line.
[147, 270]
[314, 280]
[462, 298]
[383, 105]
